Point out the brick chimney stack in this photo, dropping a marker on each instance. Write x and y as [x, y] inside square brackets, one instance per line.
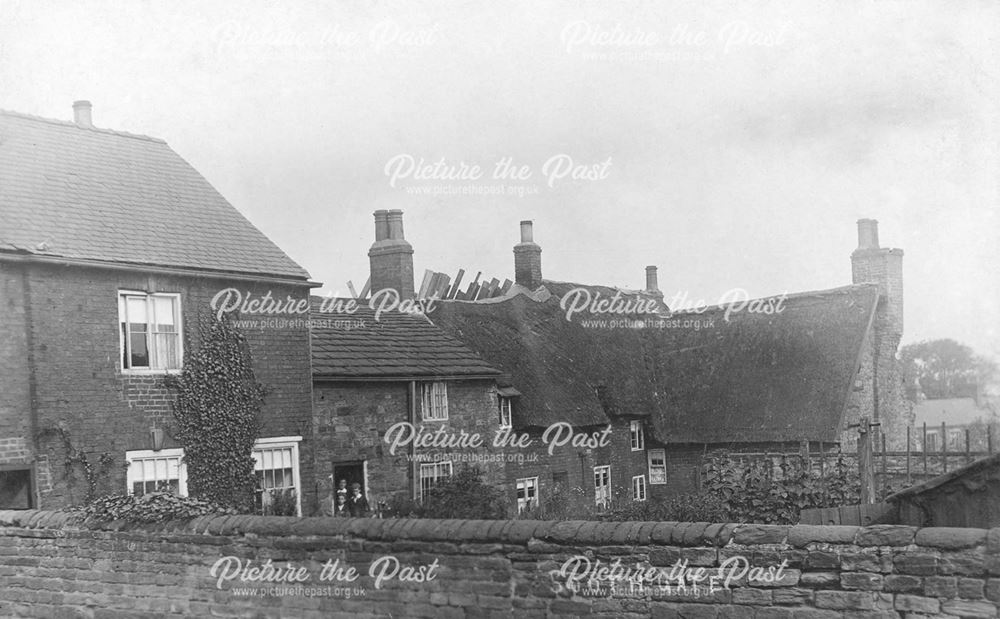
[82, 114]
[391, 256]
[871, 263]
[527, 259]
[652, 282]
[881, 397]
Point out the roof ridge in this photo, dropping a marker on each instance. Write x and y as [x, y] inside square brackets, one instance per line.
[611, 286]
[68, 123]
[788, 296]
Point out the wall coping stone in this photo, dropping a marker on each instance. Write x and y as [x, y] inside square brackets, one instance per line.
[568, 532]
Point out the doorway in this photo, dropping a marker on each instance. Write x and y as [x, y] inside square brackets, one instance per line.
[354, 472]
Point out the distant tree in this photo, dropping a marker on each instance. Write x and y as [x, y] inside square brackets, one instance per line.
[944, 369]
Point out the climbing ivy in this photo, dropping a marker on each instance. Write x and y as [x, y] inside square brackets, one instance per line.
[79, 459]
[217, 410]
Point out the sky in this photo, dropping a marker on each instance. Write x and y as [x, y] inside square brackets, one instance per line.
[733, 145]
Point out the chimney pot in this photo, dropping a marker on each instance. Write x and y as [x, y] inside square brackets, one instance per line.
[395, 217]
[526, 231]
[381, 225]
[82, 114]
[867, 234]
[652, 283]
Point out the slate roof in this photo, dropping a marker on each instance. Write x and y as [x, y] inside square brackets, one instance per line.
[756, 378]
[103, 195]
[397, 346]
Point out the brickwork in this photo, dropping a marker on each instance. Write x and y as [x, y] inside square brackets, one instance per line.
[79, 384]
[572, 466]
[491, 568]
[15, 390]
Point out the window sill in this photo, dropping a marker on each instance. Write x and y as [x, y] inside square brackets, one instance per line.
[148, 372]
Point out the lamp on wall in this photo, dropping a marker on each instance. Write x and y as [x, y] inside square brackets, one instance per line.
[156, 438]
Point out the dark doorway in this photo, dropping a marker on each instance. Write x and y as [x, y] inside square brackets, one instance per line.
[352, 471]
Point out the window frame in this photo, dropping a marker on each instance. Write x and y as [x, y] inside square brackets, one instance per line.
[643, 485]
[533, 501]
[420, 472]
[607, 486]
[650, 453]
[124, 345]
[431, 386]
[636, 435]
[501, 401]
[137, 455]
[283, 442]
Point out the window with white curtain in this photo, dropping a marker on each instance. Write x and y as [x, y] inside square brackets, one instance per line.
[150, 329]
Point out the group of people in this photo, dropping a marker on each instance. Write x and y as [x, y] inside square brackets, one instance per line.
[349, 503]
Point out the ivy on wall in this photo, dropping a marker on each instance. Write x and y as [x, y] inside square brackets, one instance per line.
[77, 459]
[217, 410]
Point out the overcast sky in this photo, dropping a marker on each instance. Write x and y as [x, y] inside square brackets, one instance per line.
[734, 145]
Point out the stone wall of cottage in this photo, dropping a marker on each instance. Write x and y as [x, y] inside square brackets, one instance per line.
[351, 419]
[881, 393]
[78, 383]
[491, 569]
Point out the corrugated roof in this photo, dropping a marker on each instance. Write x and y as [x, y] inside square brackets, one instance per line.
[95, 194]
[396, 346]
[755, 378]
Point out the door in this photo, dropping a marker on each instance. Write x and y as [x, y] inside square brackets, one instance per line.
[602, 485]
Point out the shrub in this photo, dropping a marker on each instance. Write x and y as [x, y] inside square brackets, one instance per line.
[154, 507]
[282, 502]
[766, 490]
[678, 508]
[463, 495]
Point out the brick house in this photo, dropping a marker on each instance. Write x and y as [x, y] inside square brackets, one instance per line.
[111, 246]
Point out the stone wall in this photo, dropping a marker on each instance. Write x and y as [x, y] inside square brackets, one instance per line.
[487, 568]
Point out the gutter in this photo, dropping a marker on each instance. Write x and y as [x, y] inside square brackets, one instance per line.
[401, 378]
[162, 270]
